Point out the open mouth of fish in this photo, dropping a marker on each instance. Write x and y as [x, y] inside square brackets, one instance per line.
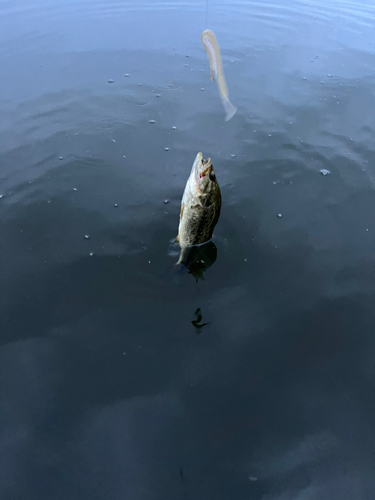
[202, 167]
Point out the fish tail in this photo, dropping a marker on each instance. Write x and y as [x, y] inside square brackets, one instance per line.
[230, 110]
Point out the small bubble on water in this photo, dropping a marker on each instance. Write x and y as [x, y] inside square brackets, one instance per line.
[174, 128]
[157, 95]
[91, 254]
[166, 149]
[290, 123]
[123, 156]
[126, 75]
[321, 81]
[233, 156]
[202, 89]
[166, 201]
[60, 157]
[1, 196]
[304, 78]
[269, 135]
[49, 201]
[245, 260]
[113, 140]
[151, 121]
[110, 81]
[87, 236]
[74, 189]
[279, 216]
[115, 205]
[324, 171]
[170, 85]
[366, 229]
[329, 75]
[186, 65]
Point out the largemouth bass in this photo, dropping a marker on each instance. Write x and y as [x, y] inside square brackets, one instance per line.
[209, 42]
[200, 205]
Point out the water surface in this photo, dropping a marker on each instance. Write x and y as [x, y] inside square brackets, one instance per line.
[111, 388]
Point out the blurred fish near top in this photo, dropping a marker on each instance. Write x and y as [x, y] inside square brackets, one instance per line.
[209, 42]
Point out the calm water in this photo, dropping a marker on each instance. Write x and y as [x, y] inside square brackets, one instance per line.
[113, 384]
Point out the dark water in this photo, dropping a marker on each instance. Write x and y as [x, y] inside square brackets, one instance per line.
[111, 388]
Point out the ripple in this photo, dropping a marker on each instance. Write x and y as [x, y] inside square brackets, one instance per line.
[109, 124]
[272, 13]
[141, 102]
[173, 85]
[89, 8]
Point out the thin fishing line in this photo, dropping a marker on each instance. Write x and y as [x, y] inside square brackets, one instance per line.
[205, 59]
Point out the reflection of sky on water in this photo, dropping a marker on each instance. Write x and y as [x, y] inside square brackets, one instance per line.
[106, 389]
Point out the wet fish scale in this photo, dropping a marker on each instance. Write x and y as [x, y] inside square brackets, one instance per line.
[200, 206]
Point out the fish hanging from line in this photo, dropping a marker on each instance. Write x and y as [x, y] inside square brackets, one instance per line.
[200, 206]
[209, 42]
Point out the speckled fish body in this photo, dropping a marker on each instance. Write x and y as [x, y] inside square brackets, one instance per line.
[200, 205]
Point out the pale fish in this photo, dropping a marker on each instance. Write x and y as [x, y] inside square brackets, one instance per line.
[209, 42]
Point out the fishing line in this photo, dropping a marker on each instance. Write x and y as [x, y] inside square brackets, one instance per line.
[205, 59]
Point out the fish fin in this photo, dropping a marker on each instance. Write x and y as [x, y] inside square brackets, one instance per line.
[230, 110]
[177, 239]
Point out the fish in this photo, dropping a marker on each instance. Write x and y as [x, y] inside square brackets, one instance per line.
[200, 206]
[197, 259]
[209, 42]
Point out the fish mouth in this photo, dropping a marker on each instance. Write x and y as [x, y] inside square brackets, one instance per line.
[202, 167]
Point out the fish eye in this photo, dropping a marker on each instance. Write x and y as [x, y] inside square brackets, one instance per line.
[212, 176]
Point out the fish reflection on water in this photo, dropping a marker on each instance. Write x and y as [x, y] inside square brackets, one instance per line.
[197, 321]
